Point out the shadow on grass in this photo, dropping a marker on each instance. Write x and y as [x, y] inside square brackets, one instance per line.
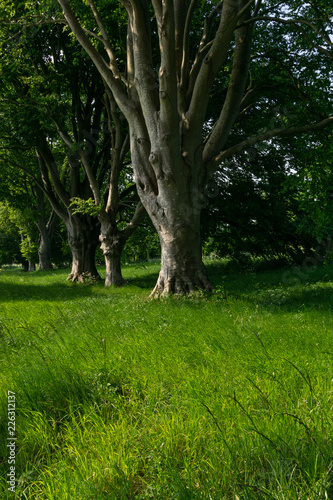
[146, 282]
[316, 296]
[57, 399]
[289, 288]
[30, 287]
[49, 292]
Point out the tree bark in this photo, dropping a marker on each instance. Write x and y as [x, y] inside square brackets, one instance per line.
[174, 205]
[83, 231]
[112, 245]
[182, 269]
[32, 267]
[44, 252]
[173, 200]
[113, 242]
[45, 232]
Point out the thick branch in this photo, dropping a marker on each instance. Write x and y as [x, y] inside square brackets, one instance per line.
[116, 164]
[185, 57]
[85, 163]
[46, 187]
[113, 81]
[94, 186]
[144, 76]
[244, 8]
[231, 107]
[212, 63]
[139, 213]
[105, 38]
[168, 68]
[252, 141]
[204, 45]
[53, 170]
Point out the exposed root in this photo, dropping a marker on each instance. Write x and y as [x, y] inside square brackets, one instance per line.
[115, 281]
[181, 285]
[86, 278]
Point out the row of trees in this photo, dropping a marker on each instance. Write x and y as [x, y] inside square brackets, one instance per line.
[215, 107]
[71, 142]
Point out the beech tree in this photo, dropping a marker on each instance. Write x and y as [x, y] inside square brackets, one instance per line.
[165, 96]
[49, 169]
[23, 195]
[110, 202]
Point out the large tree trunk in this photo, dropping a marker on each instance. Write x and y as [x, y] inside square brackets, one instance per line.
[174, 205]
[172, 195]
[170, 190]
[112, 245]
[182, 269]
[83, 232]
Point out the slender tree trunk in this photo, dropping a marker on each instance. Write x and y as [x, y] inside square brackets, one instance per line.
[113, 242]
[45, 231]
[31, 267]
[83, 231]
[112, 245]
[44, 250]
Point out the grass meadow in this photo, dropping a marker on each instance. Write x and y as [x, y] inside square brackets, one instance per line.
[119, 396]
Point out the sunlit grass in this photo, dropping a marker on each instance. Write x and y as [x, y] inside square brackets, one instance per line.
[210, 397]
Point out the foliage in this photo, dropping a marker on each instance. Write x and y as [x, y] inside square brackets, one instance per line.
[256, 208]
[19, 230]
[29, 250]
[9, 237]
[143, 245]
[80, 206]
[274, 200]
[312, 183]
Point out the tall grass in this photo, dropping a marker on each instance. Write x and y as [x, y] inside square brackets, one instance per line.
[119, 396]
